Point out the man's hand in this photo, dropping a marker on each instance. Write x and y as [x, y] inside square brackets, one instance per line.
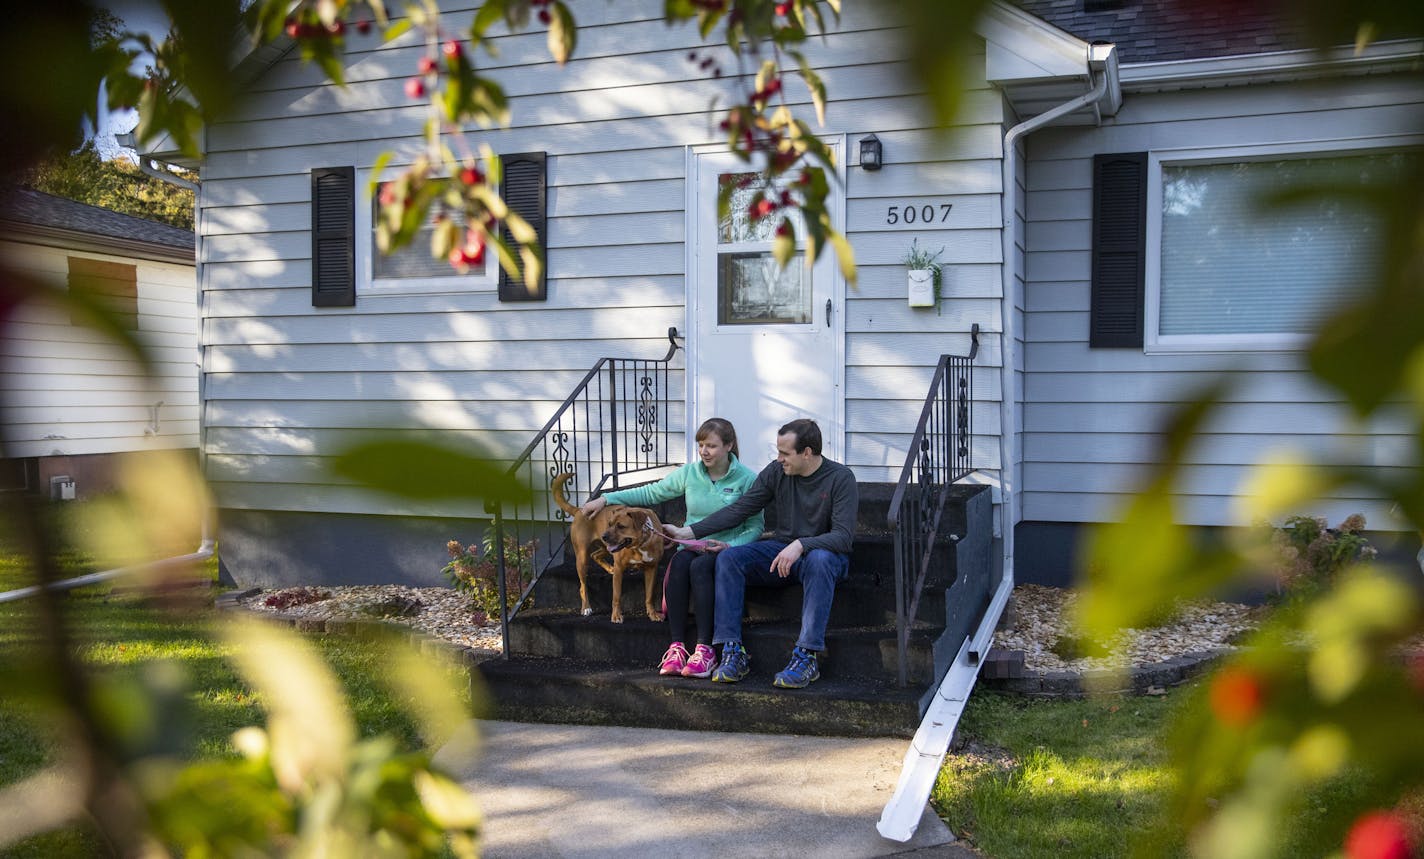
[781, 564]
[678, 532]
[714, 546]
[591, 507]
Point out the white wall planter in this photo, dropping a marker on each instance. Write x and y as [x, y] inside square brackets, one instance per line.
[921, 287]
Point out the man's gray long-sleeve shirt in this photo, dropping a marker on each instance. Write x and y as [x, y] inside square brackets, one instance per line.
[819, 510]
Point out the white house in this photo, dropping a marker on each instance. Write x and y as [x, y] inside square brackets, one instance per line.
[73, 399]
[1092, 203]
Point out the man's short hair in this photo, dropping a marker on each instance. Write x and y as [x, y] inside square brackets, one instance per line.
[807, 433]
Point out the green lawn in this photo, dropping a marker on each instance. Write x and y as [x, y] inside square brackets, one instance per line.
[196, 698]
[1056, 778]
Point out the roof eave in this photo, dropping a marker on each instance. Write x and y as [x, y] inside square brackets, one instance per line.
[79, 240]
[1380, 58]
[1036, 64]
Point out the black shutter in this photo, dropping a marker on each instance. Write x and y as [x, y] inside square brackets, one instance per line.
[523, 192]
[333, 236]
[1119, 249]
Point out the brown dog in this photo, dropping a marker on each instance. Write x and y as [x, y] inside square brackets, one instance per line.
[619, 538]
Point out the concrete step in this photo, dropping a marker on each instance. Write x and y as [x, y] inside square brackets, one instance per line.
[857, 651]
[566, 691]
[866, 598]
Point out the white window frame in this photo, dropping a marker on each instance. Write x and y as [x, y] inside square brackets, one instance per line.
[476, 280]
[1156, 342]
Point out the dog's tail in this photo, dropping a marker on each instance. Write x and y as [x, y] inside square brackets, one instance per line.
[559, 497]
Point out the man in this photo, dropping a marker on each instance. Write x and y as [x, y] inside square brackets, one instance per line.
[815, 502]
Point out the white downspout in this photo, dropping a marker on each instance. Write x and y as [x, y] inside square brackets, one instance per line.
[925, 756]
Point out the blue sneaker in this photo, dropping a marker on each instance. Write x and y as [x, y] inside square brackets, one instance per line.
[735, 664]
[801, 672]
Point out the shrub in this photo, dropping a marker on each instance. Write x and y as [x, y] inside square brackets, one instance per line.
[1309, 555]
[474, 570]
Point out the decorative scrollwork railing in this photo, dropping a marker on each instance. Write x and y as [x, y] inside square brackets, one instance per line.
[939, 455]
[615, 425]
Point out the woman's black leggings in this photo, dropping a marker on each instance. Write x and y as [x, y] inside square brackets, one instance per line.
[691, 574]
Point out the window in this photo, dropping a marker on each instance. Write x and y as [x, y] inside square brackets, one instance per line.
[411, 269]
[751, 288]
[1228, 269]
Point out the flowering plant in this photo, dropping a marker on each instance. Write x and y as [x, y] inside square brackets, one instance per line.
[474, 570]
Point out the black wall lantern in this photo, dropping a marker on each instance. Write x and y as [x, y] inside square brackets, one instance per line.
[870, 156]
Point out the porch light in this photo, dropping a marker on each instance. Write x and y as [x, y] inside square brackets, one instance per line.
[870, 156]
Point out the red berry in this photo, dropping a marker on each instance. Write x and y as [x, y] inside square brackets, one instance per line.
[427, 66]
[544, 16]
[336, 28]
[451, 49]
[293, 29]
[471, 176]
[1236, 696]
[456, 258]
[415, 88]
[783, 9]
[363, 26]
[784, 228]
[760, 208]
[1378, 835]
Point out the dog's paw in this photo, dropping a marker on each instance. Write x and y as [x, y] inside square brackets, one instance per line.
[654, 616]
[617, 618]
[587, 612]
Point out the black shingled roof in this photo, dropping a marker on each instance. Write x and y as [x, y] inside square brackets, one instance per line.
[1157, 30]
[28, 206]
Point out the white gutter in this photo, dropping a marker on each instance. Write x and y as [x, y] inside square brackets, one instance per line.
[1376, 58]
[204, 552]
[925, 757]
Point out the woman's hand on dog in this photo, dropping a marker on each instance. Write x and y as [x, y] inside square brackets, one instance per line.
[678, 532]
[591, 507]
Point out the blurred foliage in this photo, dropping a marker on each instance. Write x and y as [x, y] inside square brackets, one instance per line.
[1322, 692]
[117, 185]
[1333, 685]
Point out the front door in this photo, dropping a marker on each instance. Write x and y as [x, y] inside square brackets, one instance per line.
[765, 344]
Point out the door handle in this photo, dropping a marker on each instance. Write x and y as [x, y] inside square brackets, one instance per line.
[828, 313]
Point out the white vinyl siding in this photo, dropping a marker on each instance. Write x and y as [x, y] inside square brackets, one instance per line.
[1091, 416]
[285, 382]
[69, 390]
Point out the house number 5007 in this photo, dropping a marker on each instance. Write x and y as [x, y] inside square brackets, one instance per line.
[924, 214]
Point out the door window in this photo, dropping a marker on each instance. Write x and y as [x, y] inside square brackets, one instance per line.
[751, 288]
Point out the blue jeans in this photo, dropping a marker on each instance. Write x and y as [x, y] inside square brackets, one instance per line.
[818, 571]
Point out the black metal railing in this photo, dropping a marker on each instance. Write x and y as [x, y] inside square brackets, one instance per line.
[939, 455]
[614, 429]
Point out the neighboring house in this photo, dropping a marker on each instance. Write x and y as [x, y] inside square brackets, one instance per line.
[72, 398]
[1092, 204]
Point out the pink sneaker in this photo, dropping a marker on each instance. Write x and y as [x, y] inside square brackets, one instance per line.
[674, 659]
[703, 660]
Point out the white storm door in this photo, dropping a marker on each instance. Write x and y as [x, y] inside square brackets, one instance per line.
[767, 346]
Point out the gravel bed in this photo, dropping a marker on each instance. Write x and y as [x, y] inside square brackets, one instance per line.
[1040, 616]
[438, 612]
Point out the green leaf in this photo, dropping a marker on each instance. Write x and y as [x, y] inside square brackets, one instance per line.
[815, 85]
[396, 30]
[845, 255]
[427, 469]
[783, 247]
[563, 33]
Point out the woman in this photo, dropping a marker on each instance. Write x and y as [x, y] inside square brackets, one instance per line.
[718, 478]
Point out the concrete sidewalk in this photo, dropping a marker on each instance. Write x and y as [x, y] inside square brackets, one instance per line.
[581, 791]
